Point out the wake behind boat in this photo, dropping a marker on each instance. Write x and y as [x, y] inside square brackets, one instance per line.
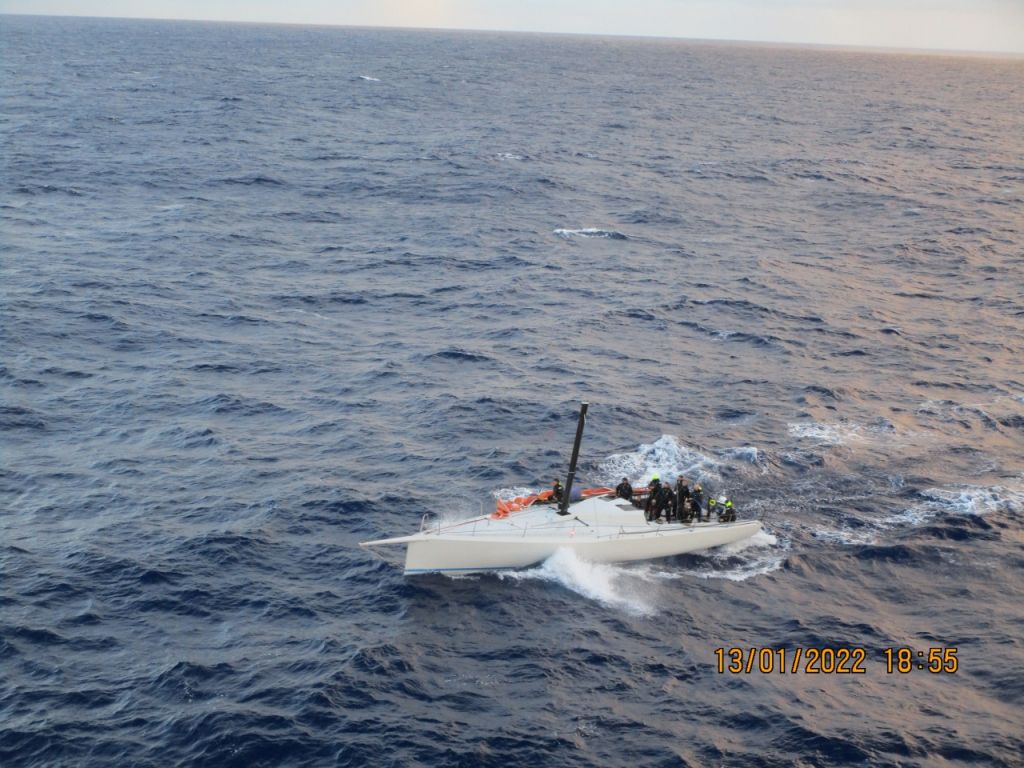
[598, 527]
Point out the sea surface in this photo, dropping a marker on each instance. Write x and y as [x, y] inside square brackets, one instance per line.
[269, 291]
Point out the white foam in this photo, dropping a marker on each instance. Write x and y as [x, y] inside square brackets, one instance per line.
[369, 79]
[617, 585]
[761, 554]
[962, 500]
[759, 540]
[506, 494]
[509, 156]
[607, 584]
[590, 232]
[665, 457]
[846, 537]
[757, 562]
[747, 453]
[831, 434]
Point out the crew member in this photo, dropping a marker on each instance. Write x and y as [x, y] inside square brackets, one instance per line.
[652, 491]
[624, 490]
[663, 502]
[728, 515]
[682, 494]
[557, 491]
[721, 509]
[697, 500]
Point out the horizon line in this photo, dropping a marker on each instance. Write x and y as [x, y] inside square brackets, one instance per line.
[853, 47]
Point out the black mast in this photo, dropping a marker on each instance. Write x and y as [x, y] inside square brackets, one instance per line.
[563, 508]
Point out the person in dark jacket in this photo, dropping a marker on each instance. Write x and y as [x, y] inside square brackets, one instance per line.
[697, 500]
[624, 490]
[664, 502]
[682, 494]
[652, 491]
[556, 491]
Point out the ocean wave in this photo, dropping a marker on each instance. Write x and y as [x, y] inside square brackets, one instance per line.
[961, 500]
[17, 417]
[614, 586]
[830, 434]
[759, 555]
[846, 536]
[507, 494]
[459, 355]
[665, 457]
[748, 454]
[610, 234]
[254, 180]
[626, 586]
[223, 403]
[842, 432]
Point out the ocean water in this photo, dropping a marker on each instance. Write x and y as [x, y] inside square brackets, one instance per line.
[272, 291]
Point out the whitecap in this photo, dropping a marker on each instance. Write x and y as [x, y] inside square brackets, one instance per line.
[758, 555]
[665, 457]
[510, 493]
[845, 537]
[961, 500]
[605, 583]
[759, 540]
[369, 79]
[831, 434]
[590, 232]
[748, 454]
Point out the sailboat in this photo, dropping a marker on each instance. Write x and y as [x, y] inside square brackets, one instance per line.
[596, 525]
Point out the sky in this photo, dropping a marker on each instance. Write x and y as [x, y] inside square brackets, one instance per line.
[963, 25]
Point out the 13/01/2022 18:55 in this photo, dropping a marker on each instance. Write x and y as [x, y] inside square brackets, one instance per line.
[840, 660]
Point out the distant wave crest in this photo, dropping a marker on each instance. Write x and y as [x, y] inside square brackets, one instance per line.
[609, 234]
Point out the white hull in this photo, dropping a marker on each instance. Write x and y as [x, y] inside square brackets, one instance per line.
[598, 530]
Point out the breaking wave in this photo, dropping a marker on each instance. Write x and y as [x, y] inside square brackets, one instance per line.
[627, 586]
[612, 585]
[963, 500]
[831, 434]
[665, 457]
[761, 554]
[610, 234]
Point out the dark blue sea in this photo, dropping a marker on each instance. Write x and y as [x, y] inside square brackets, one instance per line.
[269, 291]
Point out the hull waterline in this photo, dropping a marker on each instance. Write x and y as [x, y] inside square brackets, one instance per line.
[432, 554]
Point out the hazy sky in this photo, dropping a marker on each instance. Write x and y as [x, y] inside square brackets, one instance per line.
[979, 25]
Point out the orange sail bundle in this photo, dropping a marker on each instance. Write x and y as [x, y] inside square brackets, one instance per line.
[505, 507]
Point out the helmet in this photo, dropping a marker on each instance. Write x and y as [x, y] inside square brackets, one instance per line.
[722, 499]
[654, 477]
[728, 503]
